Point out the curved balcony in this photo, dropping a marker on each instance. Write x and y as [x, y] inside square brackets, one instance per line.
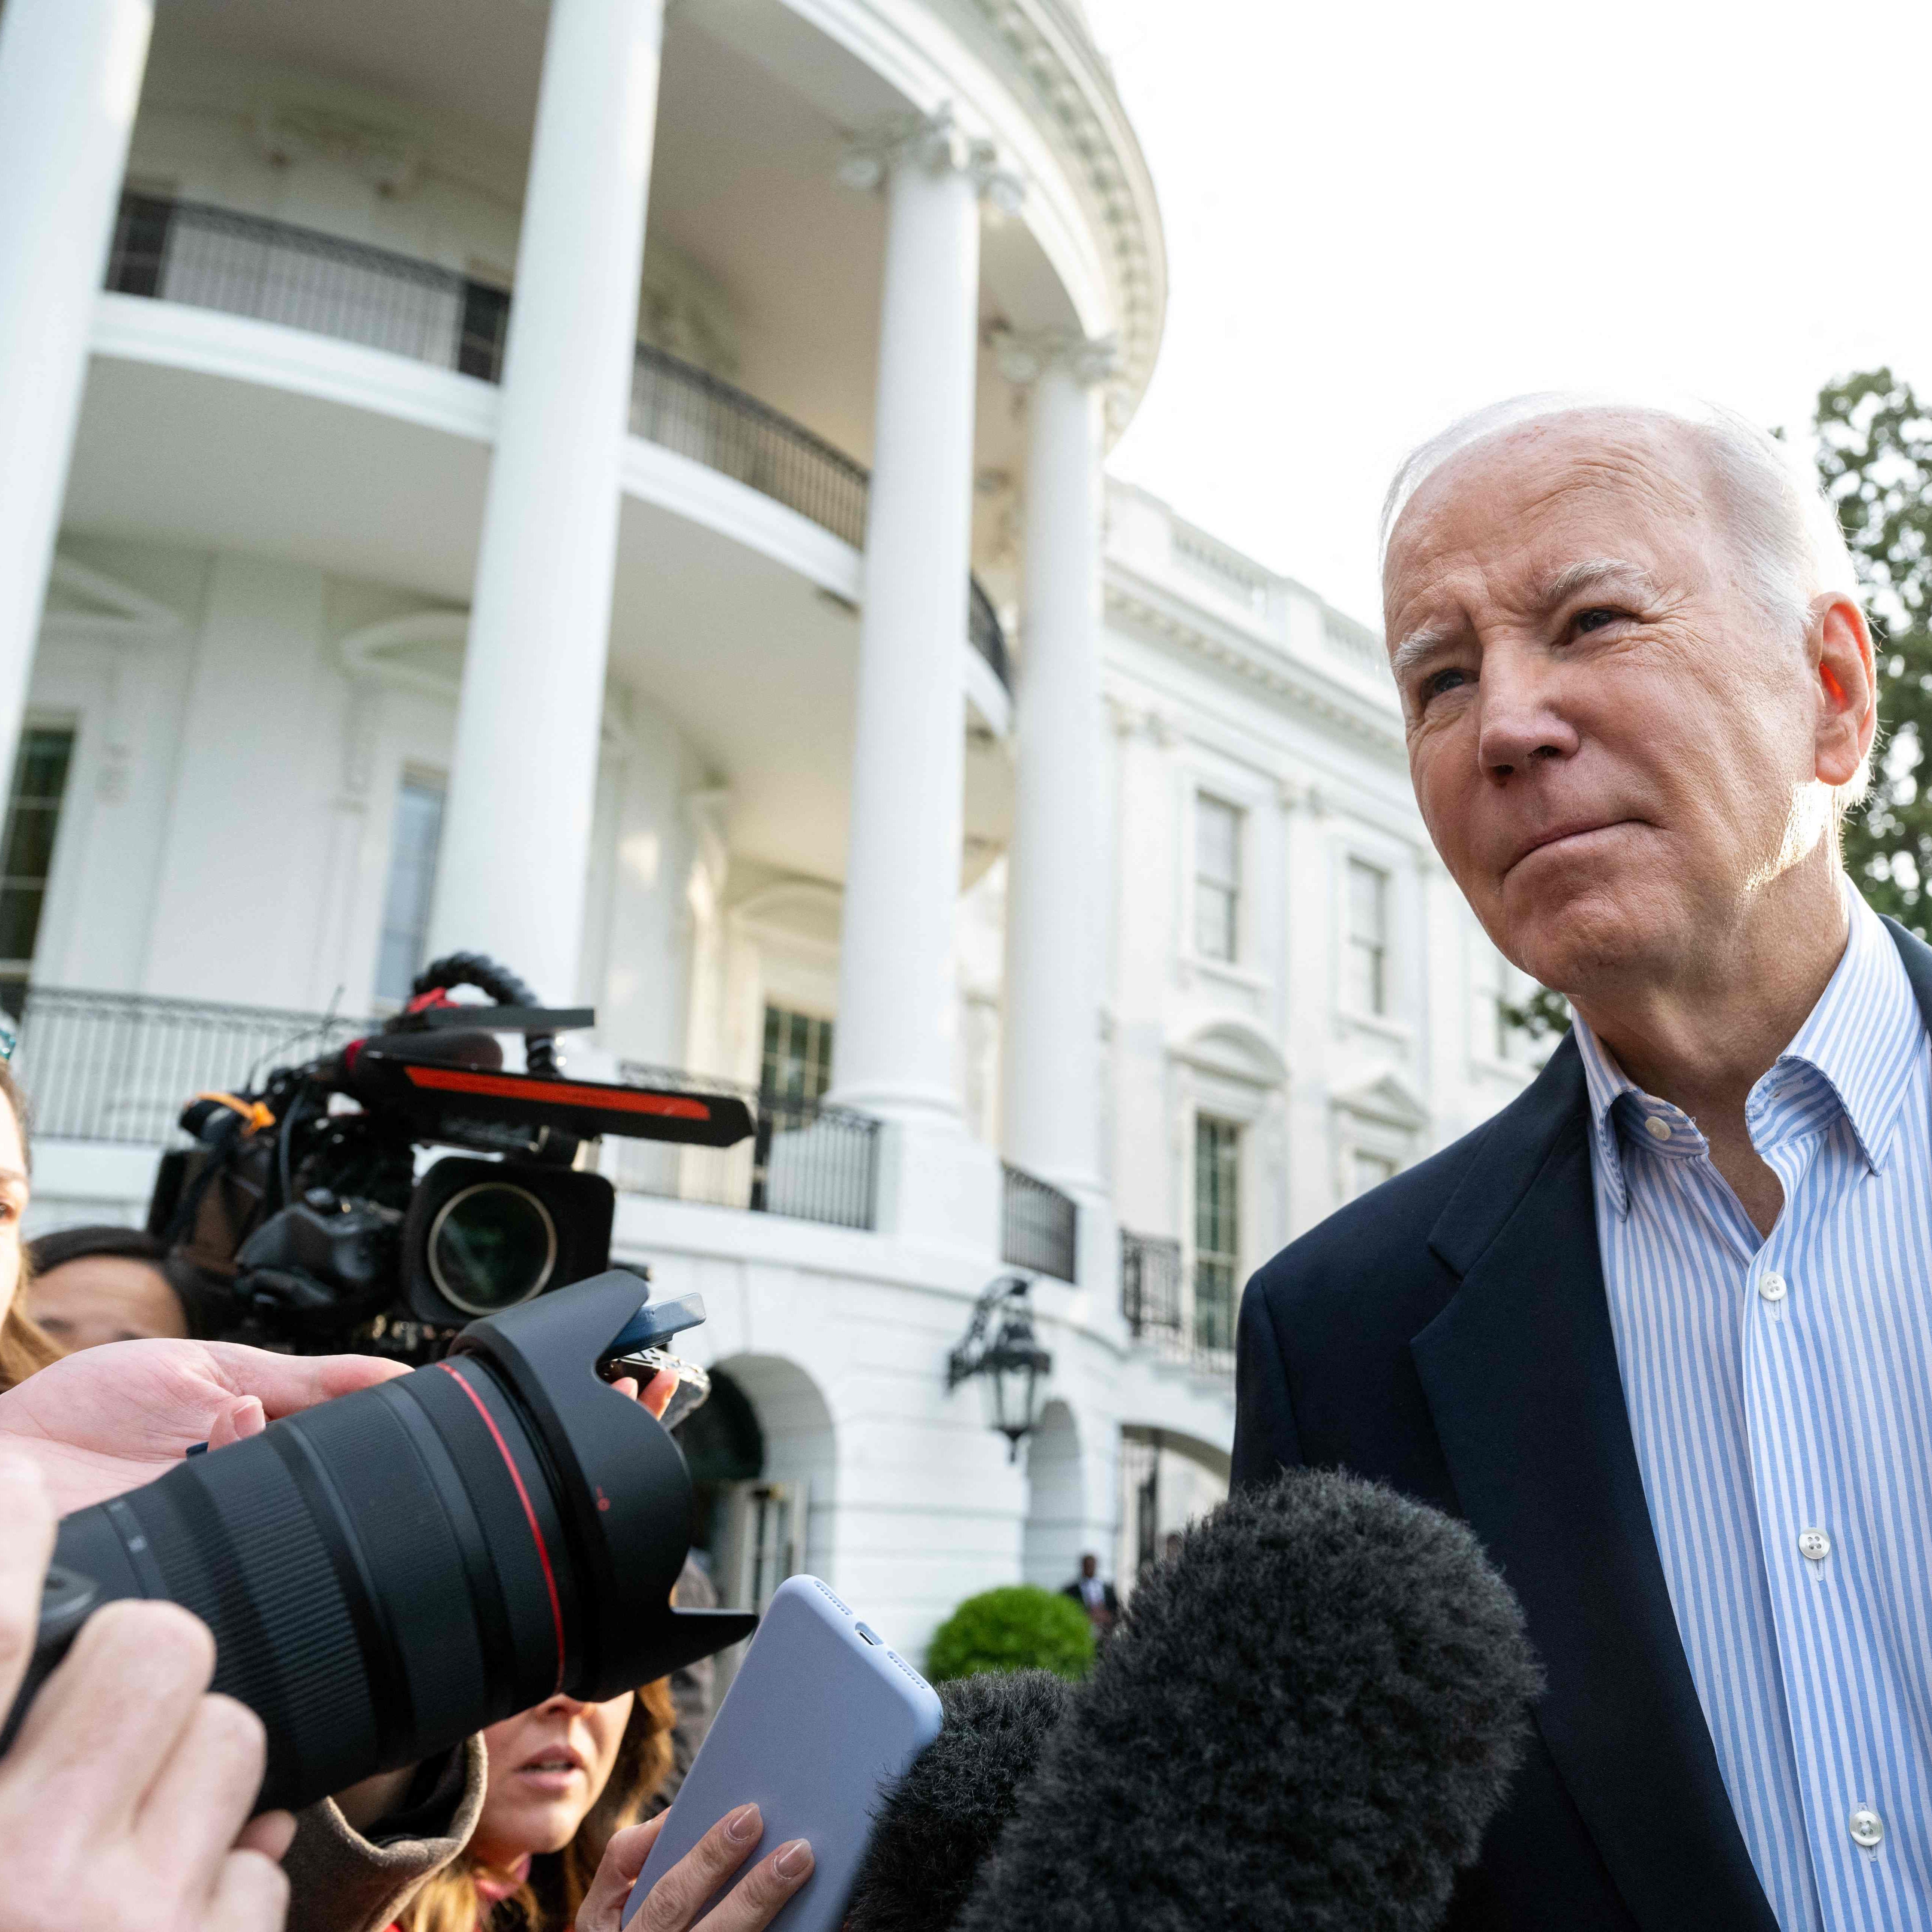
[244, 265]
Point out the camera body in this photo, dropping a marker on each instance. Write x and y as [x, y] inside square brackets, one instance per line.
[305, 1197]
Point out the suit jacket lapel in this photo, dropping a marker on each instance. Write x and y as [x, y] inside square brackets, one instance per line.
[1520, 1371]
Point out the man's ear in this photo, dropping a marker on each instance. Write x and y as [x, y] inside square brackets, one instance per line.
[1840, 647]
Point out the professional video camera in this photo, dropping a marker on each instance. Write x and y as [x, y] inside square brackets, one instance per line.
[305, 1195]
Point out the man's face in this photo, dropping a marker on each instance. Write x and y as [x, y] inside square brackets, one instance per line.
[1608, 739]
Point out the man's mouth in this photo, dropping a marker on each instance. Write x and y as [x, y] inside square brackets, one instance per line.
[1558, 834]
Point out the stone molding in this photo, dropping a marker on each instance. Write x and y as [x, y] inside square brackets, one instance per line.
[1072, 91]
[936, 143]
[1272, 670]
[1022, 356]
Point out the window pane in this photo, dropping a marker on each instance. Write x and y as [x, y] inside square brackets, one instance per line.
[1217, 837]
[27, 841]
[1217, 1146]
[412, 850]
[1217, 877]
[797, 1060]
[1367, 900]
[1368, 1171]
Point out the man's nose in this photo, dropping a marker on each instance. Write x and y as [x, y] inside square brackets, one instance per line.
[1522, 724]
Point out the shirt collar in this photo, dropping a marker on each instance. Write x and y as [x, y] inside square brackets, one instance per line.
[1852, 1056]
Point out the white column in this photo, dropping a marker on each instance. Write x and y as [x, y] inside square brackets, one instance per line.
[69, 80]
[516, 835]
[893, 1052]
[1049, 1079]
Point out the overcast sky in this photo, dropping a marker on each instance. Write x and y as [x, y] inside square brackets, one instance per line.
[1379, 215]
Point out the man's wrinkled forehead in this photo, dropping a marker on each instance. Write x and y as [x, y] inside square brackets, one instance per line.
[1516, 508]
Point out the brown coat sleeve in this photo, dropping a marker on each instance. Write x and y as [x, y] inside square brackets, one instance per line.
[340, 1881]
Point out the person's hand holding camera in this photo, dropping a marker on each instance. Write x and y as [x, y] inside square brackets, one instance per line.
[104, 1421]
[125, 1799]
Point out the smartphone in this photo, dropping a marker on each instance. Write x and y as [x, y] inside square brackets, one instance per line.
[822, 1721]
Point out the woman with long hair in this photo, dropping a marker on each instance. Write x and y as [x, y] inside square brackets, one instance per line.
[564, 1777]
[25, 1347]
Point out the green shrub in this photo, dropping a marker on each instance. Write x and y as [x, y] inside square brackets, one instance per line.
[1019, 1628]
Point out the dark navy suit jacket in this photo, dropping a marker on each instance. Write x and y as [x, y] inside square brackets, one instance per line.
[1448, 1334]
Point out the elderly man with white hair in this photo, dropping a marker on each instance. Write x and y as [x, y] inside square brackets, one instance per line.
[1661, 1331]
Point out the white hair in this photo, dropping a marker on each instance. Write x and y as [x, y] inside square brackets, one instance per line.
[1785, 530]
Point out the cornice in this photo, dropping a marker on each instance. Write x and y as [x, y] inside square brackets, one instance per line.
[1130, 597]
[1074, 94]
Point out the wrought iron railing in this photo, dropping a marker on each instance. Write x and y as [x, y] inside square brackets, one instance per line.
[1152, 1303]
[1038, 1225]
[119, 1067]
[807, 1161]
[207, 257]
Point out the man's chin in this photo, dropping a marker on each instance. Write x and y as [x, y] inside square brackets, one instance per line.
[1572, 940]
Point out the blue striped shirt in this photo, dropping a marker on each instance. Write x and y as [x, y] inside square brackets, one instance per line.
[1780, 1393]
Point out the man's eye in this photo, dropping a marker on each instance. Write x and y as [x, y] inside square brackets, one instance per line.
[1595, 619]
[1438, 682]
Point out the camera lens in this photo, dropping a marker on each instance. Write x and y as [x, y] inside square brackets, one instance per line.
[386, 1573]
[491, 1246]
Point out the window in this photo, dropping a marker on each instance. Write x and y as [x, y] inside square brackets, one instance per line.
[412, 850]
[1217, 1223]
[27, 849]
[1490, 1032]
[1368, 938]
[1217, 877]
[1368, 1170]
[797, 1061]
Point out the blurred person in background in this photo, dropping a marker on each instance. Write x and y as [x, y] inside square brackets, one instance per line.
[83, 1286]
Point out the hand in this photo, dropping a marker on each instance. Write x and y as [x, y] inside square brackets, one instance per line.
[109, 1419]
[125, 1797]
[672, 1904]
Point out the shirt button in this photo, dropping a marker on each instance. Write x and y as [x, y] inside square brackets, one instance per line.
[1658, 1129]
[1771, 1285]
[1868, 1827]
[1813, 1545]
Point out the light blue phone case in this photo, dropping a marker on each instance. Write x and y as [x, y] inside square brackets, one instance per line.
[820, 1722]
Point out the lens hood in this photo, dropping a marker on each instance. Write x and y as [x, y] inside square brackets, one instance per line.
[626, 1492]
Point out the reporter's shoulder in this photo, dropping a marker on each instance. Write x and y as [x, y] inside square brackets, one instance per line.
[1374, 1245]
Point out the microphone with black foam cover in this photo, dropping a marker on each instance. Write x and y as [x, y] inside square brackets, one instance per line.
[1303, 1723]
[944, 1817]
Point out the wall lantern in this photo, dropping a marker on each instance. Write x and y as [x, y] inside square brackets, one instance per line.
[999, 1348]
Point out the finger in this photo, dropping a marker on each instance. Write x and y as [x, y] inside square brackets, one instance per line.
[623, 1858]
[270, 1833]
[27, 1524]
[111, 1715]
[758, 1897]
[627, 1387]
[202, 1796]
[251, 1895]
[679, 1895]
[286, 1384]
[242, 1418]
[663, 1386]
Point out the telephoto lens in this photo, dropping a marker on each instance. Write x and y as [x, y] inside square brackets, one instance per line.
[389, 1572]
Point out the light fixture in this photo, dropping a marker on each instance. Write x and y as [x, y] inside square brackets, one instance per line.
[1006, 1356]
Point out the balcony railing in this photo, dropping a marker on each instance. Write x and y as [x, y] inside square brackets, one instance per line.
[808, 1161]
[119, 1067]
[1038, 1225]
[1151, 1302]
[183, 251]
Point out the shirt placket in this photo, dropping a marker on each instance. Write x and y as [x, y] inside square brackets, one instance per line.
[1801, 1514]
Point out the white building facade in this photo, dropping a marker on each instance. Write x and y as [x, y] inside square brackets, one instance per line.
[629, 499]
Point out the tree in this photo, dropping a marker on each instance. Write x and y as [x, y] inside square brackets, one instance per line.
[1875, 462]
